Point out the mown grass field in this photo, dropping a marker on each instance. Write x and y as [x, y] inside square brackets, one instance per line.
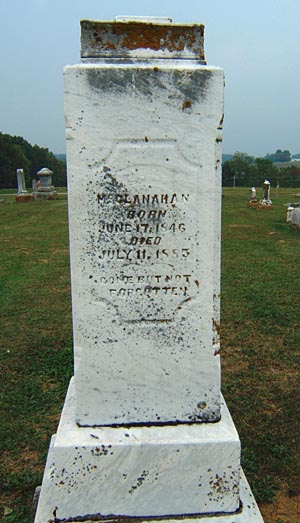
[260, 334]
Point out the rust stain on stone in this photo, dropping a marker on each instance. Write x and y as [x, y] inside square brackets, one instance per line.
[121, 37]
[187, 104]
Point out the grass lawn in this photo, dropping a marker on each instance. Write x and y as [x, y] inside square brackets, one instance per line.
[260, 335]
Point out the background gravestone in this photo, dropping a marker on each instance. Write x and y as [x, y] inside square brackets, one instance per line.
[144, 432]
[21, 182]
[44, 188]
[22, 195]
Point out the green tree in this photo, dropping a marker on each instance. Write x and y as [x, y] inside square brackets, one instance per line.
[12, 157]
[246, 171]
[238, 170]
[289, 177]
[280, 156]
[266, 170]
[17, 153]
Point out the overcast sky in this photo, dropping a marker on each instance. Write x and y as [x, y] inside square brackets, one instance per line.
[257, 42]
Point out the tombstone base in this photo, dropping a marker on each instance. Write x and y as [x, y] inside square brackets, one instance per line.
[248, 512]
[43, 195]
[95, 474]
[265, 207]
[265, 204]
[21, 198]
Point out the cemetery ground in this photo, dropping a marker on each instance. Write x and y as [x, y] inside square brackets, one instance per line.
[260, 341]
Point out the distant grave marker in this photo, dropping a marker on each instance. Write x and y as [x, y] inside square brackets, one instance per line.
[43, 189]
[252, 202]
[22, 195]
[266, 202]
[293, 216]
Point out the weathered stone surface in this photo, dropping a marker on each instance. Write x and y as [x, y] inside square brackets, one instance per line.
[144, 191]
[247, 512]
[141, 471]
[144, 433]
[294, 217]
[21, 182]
[141, 37]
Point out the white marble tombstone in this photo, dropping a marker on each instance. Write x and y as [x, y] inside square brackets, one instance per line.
[144, 225]
[22, 194]
[145, 432]
[21, 182]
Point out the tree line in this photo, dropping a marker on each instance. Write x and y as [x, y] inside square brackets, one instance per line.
[246, 171]
[17, 153]
[242, 170]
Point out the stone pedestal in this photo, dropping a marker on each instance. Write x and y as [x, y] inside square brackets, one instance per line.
[144, 472]
[44, 188]
[145, 433]
[23, 198]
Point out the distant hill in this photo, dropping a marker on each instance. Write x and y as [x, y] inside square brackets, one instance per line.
[62, 157]
[285, 165]
[226, 157]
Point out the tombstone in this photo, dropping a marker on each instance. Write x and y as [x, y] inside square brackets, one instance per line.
[34, 186]
[289, 211]
[145, 433]
[252, 202]
[44, 187]
[266, 201]
[22, 195]
[21, 182]
[293, 216]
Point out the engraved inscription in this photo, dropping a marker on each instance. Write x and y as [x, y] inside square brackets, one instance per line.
[136, 199]
[141, 249]
[125, 285]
